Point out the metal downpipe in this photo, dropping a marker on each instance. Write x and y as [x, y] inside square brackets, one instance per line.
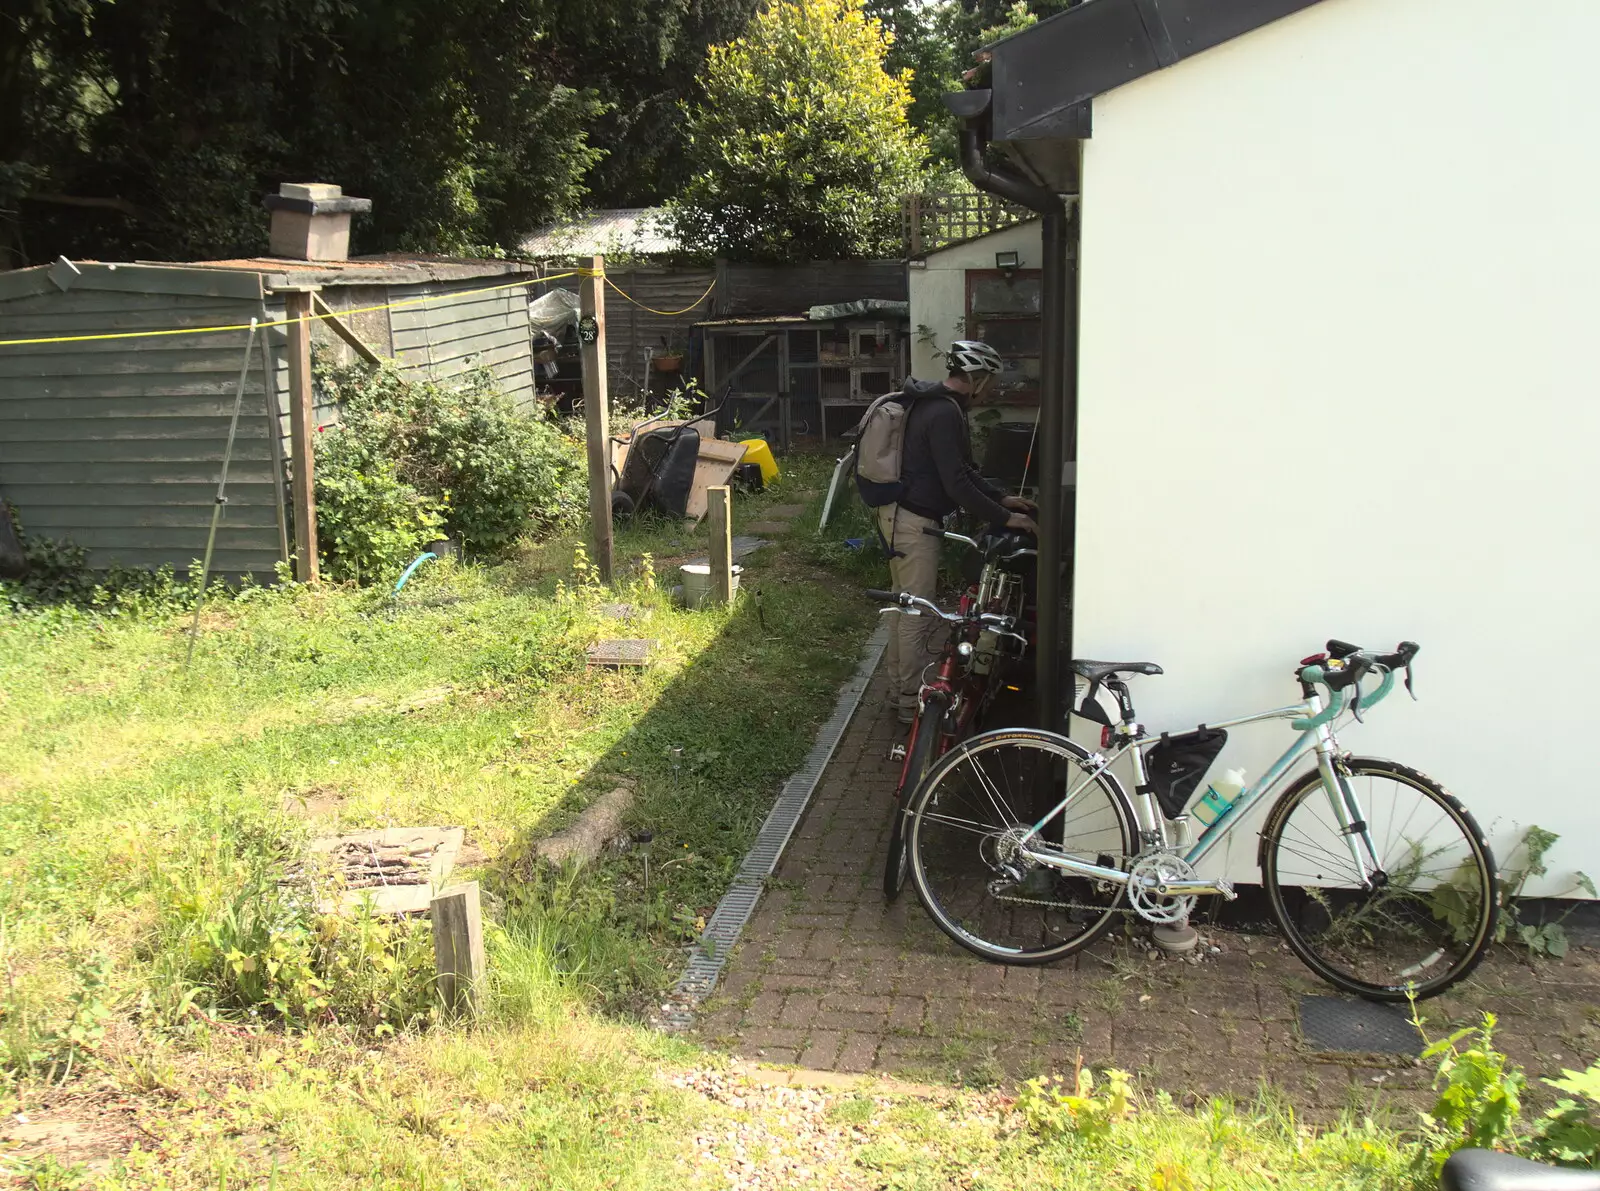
[1052, 413]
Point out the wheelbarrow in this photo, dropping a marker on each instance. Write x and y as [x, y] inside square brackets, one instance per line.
[658, 472]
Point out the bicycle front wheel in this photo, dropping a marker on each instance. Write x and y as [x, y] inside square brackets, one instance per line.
[963, 829]
[924, 744]
[1424, 917]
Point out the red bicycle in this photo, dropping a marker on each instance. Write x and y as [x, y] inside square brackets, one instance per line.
[966, 677]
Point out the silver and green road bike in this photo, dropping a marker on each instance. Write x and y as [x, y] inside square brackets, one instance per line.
[1026, 847]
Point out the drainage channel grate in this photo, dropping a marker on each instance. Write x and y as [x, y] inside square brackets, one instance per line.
[1357, 1027]
[739, 902]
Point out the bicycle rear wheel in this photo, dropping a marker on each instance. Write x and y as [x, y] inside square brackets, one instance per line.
[924, 745]
[962, 830]
[1426, 918]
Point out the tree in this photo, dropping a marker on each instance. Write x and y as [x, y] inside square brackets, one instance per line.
[640, 58]
[800, 143]
[924, 47]
[152, 128]
[937, 41]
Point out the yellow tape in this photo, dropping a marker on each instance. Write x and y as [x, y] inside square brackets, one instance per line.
[663, 313]
[422, 301]
[282, 322]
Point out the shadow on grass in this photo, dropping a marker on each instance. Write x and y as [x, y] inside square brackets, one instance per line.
[707, 760]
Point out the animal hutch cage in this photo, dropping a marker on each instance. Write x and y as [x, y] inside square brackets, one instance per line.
[794, 377]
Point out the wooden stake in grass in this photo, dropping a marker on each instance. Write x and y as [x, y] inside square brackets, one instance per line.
[302, 424]
[458, 954]
[596, 419]
[720, 507]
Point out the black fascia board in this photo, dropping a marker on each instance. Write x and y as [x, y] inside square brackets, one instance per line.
[1044, 78]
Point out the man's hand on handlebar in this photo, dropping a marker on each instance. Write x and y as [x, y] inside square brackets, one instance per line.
[1022, 521]
[1018, 504]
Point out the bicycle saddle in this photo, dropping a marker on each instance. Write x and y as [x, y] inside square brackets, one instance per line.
[1094, 671]
[1489, 1170]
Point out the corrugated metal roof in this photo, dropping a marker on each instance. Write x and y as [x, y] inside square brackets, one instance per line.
[640, 231]
[390, 268]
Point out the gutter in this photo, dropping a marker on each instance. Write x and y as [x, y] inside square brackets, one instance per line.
[1058, 389]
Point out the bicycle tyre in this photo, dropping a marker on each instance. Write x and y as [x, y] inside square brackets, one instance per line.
[1477, 863]
[930, 724]
[917, 817]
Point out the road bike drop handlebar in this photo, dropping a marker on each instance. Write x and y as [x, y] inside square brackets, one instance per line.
[907, 604]
[1341, 670]
[1013, 540]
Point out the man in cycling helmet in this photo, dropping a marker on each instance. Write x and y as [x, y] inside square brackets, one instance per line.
[937, 476]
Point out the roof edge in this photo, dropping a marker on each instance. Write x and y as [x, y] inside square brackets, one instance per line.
[1041, 74]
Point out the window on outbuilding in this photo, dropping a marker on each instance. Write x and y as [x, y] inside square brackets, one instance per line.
[1003, 311]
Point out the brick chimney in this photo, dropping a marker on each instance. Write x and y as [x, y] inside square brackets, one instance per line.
[311, 221]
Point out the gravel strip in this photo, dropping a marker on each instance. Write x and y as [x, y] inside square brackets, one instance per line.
[780, 1136]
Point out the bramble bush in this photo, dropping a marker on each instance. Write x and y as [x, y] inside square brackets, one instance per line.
[412, 460]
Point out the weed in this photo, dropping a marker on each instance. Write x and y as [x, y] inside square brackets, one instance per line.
[1569, 1133]
[857, 1110]
[408, 457]
[1053, 1108]
[1452, 903]
[45, 1173]
[1480, 1096]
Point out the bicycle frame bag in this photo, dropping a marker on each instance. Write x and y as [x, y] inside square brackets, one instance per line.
[1177, 765]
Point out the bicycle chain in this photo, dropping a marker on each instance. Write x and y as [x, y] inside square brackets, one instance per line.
[1034, 901]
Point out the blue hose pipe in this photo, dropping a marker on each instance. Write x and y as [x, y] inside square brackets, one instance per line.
[410, 570]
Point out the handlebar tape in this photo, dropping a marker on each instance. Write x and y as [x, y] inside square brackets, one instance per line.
[1329, 713]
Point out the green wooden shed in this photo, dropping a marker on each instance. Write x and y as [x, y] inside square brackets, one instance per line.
[116, 444]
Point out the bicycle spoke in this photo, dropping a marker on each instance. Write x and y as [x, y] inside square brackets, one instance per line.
[1419, 919]
[974, 876]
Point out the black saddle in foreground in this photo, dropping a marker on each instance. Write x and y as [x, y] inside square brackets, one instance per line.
[1490, 1170]
[1094, 671]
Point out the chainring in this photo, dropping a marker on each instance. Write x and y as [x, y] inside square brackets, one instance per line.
[1150, 873]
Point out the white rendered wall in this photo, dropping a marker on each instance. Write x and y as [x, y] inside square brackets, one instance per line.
[1341, 280]
[938, 296]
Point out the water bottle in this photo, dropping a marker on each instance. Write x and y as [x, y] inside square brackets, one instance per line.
[1219, 797]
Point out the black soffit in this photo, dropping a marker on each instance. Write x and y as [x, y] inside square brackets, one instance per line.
[1044, 77]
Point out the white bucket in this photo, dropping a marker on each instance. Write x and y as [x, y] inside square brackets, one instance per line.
[697, 582]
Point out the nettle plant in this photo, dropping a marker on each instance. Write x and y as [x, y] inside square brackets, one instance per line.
[1479, 1104]
[1527, 861]
[410, 461]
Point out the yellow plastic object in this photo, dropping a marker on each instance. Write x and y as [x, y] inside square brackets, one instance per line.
[757, 451]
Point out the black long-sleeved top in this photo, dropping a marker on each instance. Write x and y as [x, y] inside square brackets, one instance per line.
[936, 465]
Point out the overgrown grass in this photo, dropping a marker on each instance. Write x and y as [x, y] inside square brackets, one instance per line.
[154, 970]
[142, 803]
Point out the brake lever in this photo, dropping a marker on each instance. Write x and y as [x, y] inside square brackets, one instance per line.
[1410, 690]
[1361, 669]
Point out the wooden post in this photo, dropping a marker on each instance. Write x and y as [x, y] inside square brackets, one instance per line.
[458, 948]
[596, 418]
[302, 425]
[720, 507]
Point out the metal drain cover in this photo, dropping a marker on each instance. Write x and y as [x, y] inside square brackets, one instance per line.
[1359, 1027]
[621, 651]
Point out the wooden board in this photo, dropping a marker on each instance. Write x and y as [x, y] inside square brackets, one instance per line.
[706, 427]
[714, 467]
[432, 849]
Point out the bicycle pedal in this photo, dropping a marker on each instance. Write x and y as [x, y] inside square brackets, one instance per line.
[897, 752]
[1225, 888]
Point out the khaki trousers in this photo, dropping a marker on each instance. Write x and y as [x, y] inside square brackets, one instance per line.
[913, 640]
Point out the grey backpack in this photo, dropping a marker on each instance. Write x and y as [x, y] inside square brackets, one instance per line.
[880, 446]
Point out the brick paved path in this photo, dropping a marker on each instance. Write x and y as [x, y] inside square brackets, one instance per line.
[829, 978]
